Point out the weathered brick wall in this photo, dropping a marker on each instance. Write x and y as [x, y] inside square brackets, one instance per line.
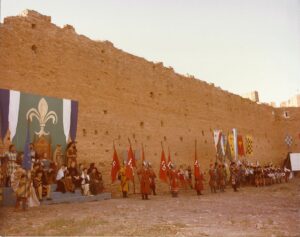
[122, 96]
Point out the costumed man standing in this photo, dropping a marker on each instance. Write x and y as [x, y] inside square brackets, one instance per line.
[212, 178]
[199, 178]
[152, 179]
[58, 156]
[123, 179]
[145, 175]
[71, 154]
[174, 180]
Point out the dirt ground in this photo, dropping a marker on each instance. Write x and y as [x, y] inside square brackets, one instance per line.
[267, 211]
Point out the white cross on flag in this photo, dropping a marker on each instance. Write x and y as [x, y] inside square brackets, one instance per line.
[289, 140]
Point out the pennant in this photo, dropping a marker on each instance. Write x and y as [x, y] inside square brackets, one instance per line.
[67, 117]
[14, 106]
[163, 168]
[217, 135]
[223, 143]
[235, 142]
[229, 149]
[26, 163]
[115, 167]
[74, 118]
[4, 111]
[231, 144]
[249, 145]
[241, 150]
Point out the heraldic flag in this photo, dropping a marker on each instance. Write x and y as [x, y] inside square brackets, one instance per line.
[241, 150]
[163, 168]
[50, 117]
[115, 166]
[249, 145]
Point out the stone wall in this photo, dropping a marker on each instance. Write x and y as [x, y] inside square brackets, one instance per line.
[122, 96]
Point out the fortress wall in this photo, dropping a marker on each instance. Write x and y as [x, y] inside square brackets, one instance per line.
[122, 96]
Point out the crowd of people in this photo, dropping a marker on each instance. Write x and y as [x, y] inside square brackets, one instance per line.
[33, 186]
[242, 174]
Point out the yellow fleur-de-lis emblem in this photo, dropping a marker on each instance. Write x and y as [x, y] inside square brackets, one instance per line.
[42, 115]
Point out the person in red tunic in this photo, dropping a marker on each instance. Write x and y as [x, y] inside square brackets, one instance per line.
[145, 175]
[174, 181]
[199, 183]
[152, 179]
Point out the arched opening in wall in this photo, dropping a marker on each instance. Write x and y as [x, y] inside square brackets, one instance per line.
[102, 51]
[286, 114]
[106, 132]
[34, 48]
[84, 132]
[202, 133]
[96, 132]
[141, 124]
[181, 138]
[151, 94]
[33, 26]
[105, 111]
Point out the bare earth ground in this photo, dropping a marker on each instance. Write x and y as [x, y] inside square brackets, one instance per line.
[268, 211]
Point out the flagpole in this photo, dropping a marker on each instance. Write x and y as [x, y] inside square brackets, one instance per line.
[195, 149]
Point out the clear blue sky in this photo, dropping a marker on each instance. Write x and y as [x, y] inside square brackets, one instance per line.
[240, 45]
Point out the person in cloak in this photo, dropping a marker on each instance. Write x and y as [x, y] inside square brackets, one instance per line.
[152, 179]
[145, 175]
[174, 180]
[212, 178]
[199, 183]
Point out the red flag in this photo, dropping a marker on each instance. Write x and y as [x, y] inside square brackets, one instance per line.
[196, 164]
[196, 169]
[131, 156]
[241, 150]
[169, 162]
[130, 164]
[115, 167]
[163, 168]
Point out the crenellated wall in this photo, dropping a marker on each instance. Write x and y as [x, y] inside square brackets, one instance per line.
[122, 96]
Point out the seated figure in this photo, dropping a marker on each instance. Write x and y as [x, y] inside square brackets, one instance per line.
[96, 183]
[85, 182]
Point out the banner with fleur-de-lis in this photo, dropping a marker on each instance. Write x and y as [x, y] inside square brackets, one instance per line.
[48, 116]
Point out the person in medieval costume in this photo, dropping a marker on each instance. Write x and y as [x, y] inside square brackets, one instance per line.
[85, 183]
[33, 154]
[221, 178]
[234, 176]
[174, 180]
[58, 156]
[145, 174]
[22, 192]
[96, 183]
[12, 163]
[60, 179]
[71, 153]
[212, 178]
[152, 179]
[124, 187]
[199, 183]
[75, 175]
